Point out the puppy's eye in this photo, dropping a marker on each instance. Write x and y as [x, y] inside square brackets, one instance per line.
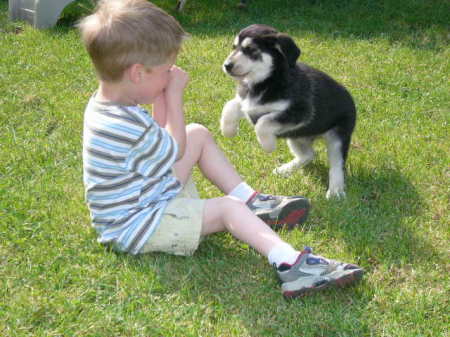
[249, 50]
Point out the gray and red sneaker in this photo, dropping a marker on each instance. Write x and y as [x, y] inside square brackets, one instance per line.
[311, 273]
[277, 210]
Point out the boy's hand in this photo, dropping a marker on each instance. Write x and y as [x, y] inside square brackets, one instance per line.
[178, 80]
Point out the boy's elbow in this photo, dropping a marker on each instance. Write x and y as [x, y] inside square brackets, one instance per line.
[180, 154]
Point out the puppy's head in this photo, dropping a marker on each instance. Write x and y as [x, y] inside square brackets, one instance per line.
[257, 51]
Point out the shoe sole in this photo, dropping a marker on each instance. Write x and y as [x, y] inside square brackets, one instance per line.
[345, 280]
[292, 214]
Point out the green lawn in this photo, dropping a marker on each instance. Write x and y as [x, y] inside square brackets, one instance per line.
[393, 55]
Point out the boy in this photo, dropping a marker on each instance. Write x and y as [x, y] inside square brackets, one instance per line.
[137, 168]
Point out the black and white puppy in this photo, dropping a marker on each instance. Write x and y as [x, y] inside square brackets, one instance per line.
[286, 99]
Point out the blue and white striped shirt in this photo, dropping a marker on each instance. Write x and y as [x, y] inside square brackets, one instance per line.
[127, 162]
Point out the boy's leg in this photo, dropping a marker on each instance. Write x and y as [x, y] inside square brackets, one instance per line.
[301, 273]
[232, 215]
[202, 149]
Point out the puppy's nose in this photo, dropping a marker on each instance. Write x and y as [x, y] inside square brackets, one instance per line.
[228, 66]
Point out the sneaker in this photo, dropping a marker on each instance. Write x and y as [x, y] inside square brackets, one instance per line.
[277, 210]
[311, 273]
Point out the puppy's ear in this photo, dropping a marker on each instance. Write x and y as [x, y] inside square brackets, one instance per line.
[288, 48]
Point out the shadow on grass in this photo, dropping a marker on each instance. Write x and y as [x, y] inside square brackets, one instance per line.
[237, 285]
[375, 223]
[378, 217]
[234, 289]
[417, 24]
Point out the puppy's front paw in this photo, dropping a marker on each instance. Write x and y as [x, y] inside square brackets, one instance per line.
[231, 114]
[268, 144]
[229, 129]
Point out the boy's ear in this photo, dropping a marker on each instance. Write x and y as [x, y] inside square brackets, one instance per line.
[134, 72]
[288, 48]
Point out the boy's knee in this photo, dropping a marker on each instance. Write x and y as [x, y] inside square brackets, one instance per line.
[198, 131]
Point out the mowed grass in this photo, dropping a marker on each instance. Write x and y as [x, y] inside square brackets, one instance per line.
[56, 280]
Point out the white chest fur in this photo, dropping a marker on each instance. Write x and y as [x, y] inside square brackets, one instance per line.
[252, 106]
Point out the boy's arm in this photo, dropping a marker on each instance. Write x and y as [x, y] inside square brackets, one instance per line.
[159, 110]
[174, 107]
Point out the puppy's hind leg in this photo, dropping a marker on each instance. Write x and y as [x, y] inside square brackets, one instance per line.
[231, 114]
[303, 152]
[337, 146]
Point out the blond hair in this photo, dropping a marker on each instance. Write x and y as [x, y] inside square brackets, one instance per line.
[121, 33]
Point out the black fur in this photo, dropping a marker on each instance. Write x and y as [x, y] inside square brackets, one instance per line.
[310, 91]
[317, 103]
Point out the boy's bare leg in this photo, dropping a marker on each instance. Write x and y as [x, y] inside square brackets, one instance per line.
[301, 273]
[225, 213]
[232, 215]
[202, 150]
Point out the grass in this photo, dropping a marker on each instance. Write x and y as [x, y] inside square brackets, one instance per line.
[392, 55]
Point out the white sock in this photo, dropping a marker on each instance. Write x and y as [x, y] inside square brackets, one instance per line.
[242, 192]
[283, 253]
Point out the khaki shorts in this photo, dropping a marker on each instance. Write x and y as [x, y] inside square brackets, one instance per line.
[179, 231]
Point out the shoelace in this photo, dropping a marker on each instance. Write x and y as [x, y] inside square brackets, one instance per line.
[265, 197]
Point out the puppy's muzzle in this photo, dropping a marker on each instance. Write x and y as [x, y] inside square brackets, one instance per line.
[228, 66]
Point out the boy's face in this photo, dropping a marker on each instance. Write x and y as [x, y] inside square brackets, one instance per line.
[153, 82]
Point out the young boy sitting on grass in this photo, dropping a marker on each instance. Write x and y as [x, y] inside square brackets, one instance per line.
[137, 167]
